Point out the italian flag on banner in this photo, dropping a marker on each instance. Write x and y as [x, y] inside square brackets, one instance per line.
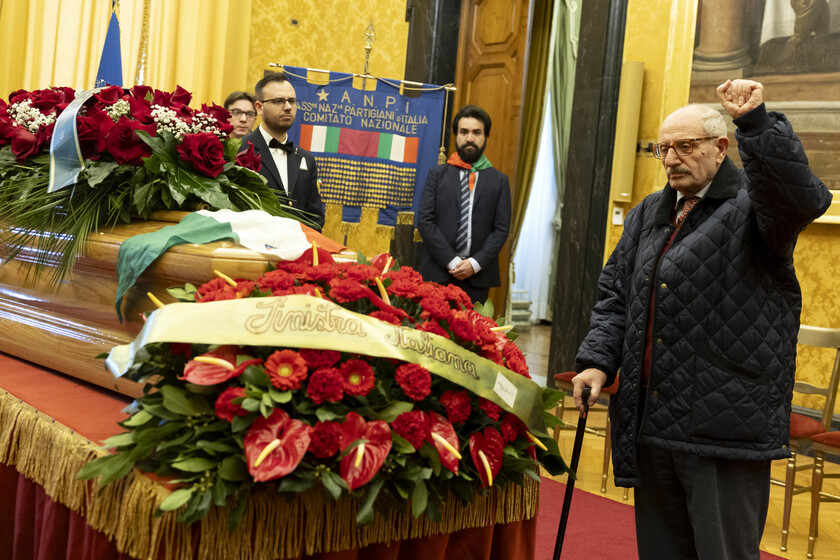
[365, 143]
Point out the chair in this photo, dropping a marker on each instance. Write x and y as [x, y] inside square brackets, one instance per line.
[564, 383]
[802, 427]
[824, 442]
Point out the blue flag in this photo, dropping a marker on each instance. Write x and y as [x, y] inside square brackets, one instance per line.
[374, 145]
[110, 65]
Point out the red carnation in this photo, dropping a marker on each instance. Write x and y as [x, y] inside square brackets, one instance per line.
[344, 291]
[413, 426]
[387, 317]
[205, 152]
[326, 439]
[407, 274]
[292, 267]
[461, 326]
[414, 380]
[275, 280]
[493, 354]
[436, 307]
[358, 272]
[515, 360]
[457, 404]
[124, 144]
[402, 288]
[317, 359]
[358, 377]
[249, 158]
[225, 408]
[491, 409]
[326, 384]
[324, 272]
[433, 327]
[286, 369]
[215, 290]
[456, 294]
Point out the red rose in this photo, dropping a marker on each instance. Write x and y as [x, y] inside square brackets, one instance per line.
[142, 92]
[92, 130]
[109, 96]
[205, 152]
[219, 113]
[249, 158]
[325, 384]
[177, 99]
[225, 408]
[414, 380]
[180, 96]
[491, 409]
[140, 110]
[317, 359]
[124, 144]
[45, 100]
[457, 404]
[25, 144]
[286, 369]
[412, 426]
[358, 377]
[19, 95]
[326, 438]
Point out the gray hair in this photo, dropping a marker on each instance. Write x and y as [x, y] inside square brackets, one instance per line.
[713, 123]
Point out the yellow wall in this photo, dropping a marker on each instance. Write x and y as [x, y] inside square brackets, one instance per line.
[662, 36]
[329, 35]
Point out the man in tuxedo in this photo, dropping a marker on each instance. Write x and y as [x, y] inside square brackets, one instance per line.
[464, 214]
[289, 170]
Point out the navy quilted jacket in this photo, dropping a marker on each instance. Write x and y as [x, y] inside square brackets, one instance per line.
[726, 312]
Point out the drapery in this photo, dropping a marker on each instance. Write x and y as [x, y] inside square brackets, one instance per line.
[201, 45]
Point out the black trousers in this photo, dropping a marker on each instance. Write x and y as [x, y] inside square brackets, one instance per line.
[704, 508]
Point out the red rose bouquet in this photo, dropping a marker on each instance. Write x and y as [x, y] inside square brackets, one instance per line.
[371, 383]
[143, 150]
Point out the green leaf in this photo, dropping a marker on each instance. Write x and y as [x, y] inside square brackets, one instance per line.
[176, 499]
[137, 419]
[297, 482]
[365, 515]
[181, 402]
[186, 293]
[241, 423]
[216, 446]
[419, 498]
[280, 397]
[390, 412]
[233, 468]
[324, 414]
[119, 440]
[196, 464]
[101, 465]
[255, 375]
[97, 171]
[232, 146]
[333, 483]
[400, 444]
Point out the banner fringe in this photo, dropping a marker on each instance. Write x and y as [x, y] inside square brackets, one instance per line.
[273, 526]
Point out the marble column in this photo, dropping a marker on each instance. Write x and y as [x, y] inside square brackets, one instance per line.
[722, 48]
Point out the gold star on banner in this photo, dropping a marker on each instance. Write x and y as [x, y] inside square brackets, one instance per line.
[322, 95]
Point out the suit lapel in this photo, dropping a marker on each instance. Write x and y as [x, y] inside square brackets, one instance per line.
[293, 160]
[267, 161]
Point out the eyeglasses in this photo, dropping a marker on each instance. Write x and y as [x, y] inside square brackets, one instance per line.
[236, 113]
[682, 147]
[281, 101]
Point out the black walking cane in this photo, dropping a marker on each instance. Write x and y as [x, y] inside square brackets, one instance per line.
[570, 483]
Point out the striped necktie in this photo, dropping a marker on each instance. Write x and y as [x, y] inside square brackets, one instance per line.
[461, 245]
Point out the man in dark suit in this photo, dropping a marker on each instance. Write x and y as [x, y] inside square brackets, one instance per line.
[464, 214]
[291, 171]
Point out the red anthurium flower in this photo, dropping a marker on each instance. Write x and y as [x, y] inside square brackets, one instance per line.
[365, 460]
[275, 445]
[216, 366]
[382, 262]
[486, 449]
[445, 440]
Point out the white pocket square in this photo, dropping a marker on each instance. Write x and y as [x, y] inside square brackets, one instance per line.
[303, 164]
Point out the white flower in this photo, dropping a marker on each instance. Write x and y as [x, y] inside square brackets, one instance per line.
[167, 119]
[31, 118]
[118, 109]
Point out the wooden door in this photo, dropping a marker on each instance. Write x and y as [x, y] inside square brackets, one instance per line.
[490, 71]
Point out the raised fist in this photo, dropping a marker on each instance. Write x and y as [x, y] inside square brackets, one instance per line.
[740, 96]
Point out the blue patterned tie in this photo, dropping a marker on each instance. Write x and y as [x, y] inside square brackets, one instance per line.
[464, 222]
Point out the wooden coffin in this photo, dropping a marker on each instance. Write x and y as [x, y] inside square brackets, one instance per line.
[65, 327]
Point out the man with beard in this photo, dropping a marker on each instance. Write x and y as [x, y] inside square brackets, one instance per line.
[698, 306]
[291, 171]
[464, 214]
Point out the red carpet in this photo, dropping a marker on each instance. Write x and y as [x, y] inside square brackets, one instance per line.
[588, 517]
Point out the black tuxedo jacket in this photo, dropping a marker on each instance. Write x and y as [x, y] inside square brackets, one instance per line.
[437, 221]
[303, 199]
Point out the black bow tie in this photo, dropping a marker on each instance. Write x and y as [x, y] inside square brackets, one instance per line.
[287, 146]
